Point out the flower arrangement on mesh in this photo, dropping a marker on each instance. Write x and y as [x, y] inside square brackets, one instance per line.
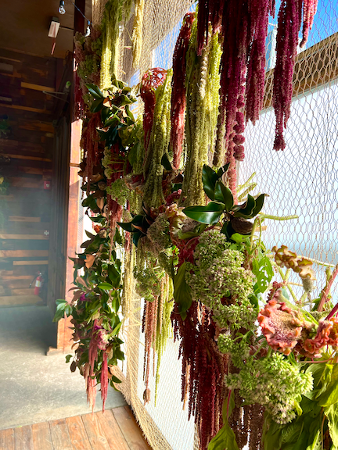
[259, 363]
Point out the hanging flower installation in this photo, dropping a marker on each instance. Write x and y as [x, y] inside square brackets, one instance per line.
[259, 362]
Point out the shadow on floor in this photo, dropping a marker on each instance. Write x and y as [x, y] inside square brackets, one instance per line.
[35, 387]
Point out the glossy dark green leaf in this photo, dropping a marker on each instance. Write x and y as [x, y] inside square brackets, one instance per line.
[227, 196]
[129, 113]
[105, 114]
[209, 214]
[259, 203]
[96, 105]
[94, 91]
[182, 292]
[209, 179]
[221, 171]
[127, 227]
[218, 195]
[166, 163]
[136, 237]
[114, 276]
[138, 220]
[246, 212]
[68, 358]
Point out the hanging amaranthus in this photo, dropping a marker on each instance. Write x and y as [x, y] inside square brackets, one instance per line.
[137, 31]
[164, 329]
[289, 22]
[202, 83]
[110, 41]
[158, 145]
[178, 100]
[203, 370]
[244, 30]
[149, 83]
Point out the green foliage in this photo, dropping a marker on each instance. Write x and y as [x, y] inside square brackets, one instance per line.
[182, 293]
[62, 309]
[222, 206]
[225, 438]
[319, 413]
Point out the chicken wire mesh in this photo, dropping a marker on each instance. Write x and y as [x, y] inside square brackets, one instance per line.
[301, 180]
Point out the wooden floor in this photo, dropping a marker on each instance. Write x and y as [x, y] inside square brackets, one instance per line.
[113, 430]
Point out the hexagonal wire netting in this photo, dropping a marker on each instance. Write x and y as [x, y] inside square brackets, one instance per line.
[301, 180]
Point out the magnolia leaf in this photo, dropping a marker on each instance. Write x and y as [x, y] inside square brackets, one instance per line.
[259, 203]
[209, 179]
[209, 214]
[182, 292]
[246, 211]
[89, 261]
[96, 105]
[221, 171]
[227, 197]
[94, 91]
[126, 226]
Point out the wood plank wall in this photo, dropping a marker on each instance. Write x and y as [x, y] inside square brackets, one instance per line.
[25, 223]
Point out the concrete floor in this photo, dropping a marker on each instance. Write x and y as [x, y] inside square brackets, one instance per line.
[35, 387]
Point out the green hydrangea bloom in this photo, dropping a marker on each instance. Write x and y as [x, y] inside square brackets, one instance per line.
[274, 383]
[217, 274]
[118, 191]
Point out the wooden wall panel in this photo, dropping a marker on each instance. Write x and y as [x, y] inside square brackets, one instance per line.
[25, 220]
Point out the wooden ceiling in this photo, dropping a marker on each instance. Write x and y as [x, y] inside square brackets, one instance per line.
[24, 26]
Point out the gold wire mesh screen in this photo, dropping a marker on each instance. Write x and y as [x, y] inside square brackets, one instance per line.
[301, 180]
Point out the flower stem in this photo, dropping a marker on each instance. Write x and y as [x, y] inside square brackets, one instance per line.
[331, 314]
[327, 288]
[273, 217]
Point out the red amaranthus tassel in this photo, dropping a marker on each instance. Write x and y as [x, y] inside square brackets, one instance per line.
[149, 83]
[203, 370]
[104, 380]
[289, 21]
[244, 30]
[178, 100]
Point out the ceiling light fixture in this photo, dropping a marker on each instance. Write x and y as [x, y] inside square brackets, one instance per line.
[62, 7]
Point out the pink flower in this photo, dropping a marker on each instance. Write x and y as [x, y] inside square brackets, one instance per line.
[281, 326]
[327, 334]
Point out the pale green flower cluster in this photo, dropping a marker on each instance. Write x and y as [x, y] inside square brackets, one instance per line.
[106, 162]
[274, 383]
[158, 234]
[238, 349]
[218, 273]
[238, 316]
[119, 191]
[148, 284]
